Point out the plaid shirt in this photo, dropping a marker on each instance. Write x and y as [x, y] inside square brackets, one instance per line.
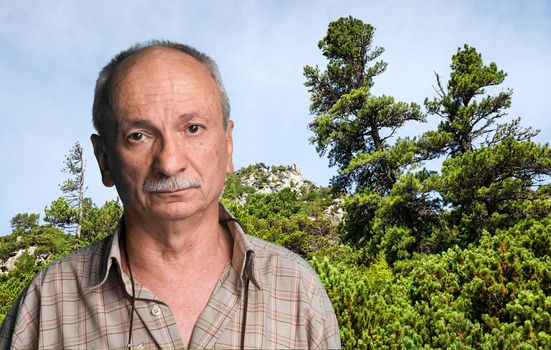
[266, 297]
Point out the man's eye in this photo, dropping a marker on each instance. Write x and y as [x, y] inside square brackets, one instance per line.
[193, 129]
[137, 136]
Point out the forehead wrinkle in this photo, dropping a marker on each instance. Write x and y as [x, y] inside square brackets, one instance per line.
[160, 66]
[141, 122]
[158, 63]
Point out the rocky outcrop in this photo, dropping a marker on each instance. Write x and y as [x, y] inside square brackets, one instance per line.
[266, 179]
[9, 264]
[269, 179]
[335, 212]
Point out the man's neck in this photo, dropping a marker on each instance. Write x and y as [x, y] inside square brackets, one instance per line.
[158, 248]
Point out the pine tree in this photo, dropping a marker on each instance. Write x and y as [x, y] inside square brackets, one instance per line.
[68, 211]
[470, 117]
[351, 123]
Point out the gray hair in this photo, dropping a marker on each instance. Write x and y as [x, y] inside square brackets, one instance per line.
[102, 110]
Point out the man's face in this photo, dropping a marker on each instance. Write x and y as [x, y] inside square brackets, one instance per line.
[168, 125]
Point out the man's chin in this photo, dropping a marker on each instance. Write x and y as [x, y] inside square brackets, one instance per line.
[173, 215]
[177, 211]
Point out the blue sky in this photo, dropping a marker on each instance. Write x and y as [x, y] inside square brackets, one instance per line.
[53, 50]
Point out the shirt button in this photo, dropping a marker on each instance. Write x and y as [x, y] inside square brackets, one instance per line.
[155, 310]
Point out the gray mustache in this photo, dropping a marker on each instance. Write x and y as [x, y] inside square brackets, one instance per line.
[170, 184]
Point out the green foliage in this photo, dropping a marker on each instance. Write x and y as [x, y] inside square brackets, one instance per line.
[407, 220]
[60, 213]
[351, 123]
[24, 222]
[470, 245]
[355, 293]
[12, 284]
[99, 222]
[494, 187]
[26, 233]
[281, 204]
[47, 242]
[394, 210]
[466, 117]
[233, 187]
[45, 239]
[491, 295]
[347, 46]
[69, 214]
[360, 213]
[292, 219]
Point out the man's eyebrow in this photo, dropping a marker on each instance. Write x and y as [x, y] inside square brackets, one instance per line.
[147, 124]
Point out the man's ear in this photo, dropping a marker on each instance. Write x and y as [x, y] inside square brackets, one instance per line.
[229, 146]
[101, 156]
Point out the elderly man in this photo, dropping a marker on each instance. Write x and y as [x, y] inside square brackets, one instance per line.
[178, 271]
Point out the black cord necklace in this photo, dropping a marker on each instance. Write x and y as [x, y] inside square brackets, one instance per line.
[133, 308]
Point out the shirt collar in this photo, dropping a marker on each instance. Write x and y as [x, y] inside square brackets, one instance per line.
[243, 253]
[109, 254]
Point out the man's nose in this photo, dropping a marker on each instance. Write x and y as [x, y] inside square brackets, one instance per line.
[171, 157]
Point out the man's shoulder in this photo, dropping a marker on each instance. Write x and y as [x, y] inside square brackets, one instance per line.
[83, 264]
[84, 254]
[268, 250]
[278, 261]
[288, 278]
